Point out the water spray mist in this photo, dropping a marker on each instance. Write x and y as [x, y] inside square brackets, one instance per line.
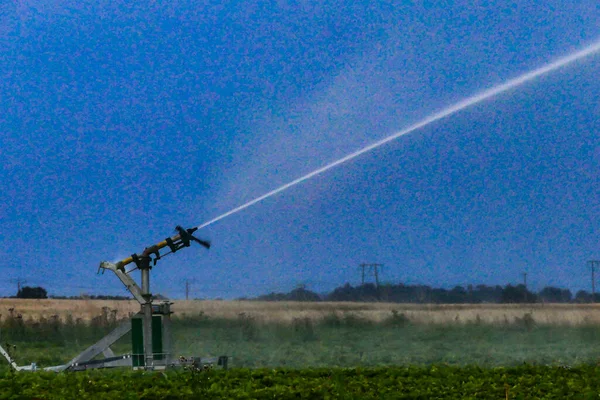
[461, 105]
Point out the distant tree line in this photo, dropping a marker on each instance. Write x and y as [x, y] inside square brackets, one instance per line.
[91, 297]
[38, 292]
[401, 293]
[393, 293]
[28, 292]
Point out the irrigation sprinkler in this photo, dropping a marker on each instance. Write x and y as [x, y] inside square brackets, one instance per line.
[150, 328]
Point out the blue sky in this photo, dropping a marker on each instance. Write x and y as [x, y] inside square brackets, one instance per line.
[119, 121]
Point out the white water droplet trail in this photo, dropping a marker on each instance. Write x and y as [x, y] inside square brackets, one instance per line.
[452, 109]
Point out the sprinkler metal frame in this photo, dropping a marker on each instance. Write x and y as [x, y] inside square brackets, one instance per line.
[151, 336]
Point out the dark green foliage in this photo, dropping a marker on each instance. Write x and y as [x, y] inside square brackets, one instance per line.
[583, 296]
[28, 292]
[400, 293]
[517, 294]
[432, 382]
[90, 297]
[398, 319]
[551, 294]
[298, 294]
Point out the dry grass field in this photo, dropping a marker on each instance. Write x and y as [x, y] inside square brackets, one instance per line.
[286, 312]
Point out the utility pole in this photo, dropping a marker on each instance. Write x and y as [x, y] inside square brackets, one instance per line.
[525, 284]
[373, 267]
[188, 287]
[593, 264]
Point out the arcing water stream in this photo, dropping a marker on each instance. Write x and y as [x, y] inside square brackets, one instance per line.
[477, 98]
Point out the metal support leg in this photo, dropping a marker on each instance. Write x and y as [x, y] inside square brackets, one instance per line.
[101, 345]
[167, 333]
[147, 317]
[147, 322]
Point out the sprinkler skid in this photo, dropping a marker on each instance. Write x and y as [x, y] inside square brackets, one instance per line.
[150, 328]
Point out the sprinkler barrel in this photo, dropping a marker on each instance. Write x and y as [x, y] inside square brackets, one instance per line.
[183, 239]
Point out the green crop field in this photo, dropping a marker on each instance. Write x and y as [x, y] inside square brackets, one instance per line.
[350, 342]
[335, 357]
[331, 342]
[433, 382]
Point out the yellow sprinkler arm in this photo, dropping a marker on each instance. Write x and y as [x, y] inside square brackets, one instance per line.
[183, 238]
[143, 260]
[161, 245]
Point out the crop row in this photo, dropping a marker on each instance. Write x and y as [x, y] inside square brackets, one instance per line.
[433, 382]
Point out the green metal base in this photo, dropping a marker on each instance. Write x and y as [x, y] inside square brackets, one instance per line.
[137, 340]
